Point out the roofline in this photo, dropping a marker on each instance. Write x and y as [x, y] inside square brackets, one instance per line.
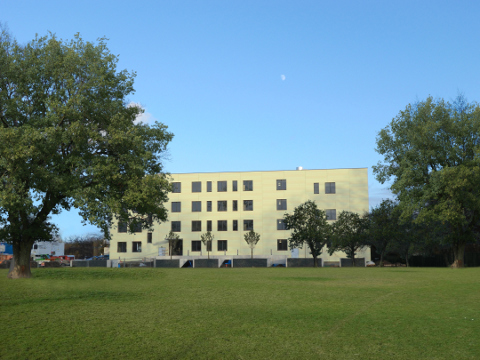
[231, 172]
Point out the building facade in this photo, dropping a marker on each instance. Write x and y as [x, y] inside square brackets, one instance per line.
[231, 203]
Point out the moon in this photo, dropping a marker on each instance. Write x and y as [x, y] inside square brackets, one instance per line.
[282, 77]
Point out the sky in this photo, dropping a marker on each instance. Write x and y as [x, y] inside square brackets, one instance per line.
[271, 85]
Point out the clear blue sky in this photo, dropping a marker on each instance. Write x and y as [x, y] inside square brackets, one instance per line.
[272, 85]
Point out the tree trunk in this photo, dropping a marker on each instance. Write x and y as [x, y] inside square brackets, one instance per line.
[406, 259]
[459, 253]
[251, 253]
[315, 261]
[353, 258]
[21, 260]
[208, 254]
[381, 259]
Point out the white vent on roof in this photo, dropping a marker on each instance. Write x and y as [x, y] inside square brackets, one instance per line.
[299, 168]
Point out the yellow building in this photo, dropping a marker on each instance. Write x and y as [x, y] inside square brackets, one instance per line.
[231, 203]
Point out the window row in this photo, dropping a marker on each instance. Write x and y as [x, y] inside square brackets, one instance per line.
[176, 206]
[329, 188]
[222, 245]
[222, 186]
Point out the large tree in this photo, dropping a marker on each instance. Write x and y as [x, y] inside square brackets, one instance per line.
[431, 155]
[69, 139]
[309, 227]
[349, 234]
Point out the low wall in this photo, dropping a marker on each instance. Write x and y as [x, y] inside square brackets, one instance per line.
[89, 263]
[239, 263]
[174, 263]
[359, 262]
[303, 262]
[205, 263]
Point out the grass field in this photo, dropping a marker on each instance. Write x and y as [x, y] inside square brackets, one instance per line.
[274, 313]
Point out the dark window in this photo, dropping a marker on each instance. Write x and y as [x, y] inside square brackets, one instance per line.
[122, 247]
[247, 185]
[196, 186]
[235, 225]
[222, 245]
[329, 188]
[281, 204]
[331, 214]
[222, 225]
[35, 247]
[247, 225]
[196, 225]
[282, 245]
[176, 226]
[234, 185]
[209, 186]
[281, 224]
[316, 188]
[137, 228]
[247, 205]
[209, 246]
[176, 206]
[282, 184]
[209, 225]
[176, 187]
[196, 206]
[122, 227]
[221, 186]
[235, 205]
[137, 246]
[209, 206]
[222, 205]
[149, 238]
[196, 245]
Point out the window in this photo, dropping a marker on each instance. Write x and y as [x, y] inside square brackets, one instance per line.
[235, 205]
[282, 245]
[209, 225]
[122, 227]
[316, 188]
[122, 247]
[221, 186]
[329, 188]
[137, 246]
[281, 224]
[247, 205]
[196, 206]
[281, 204]
[209, 206]
[196, 245]
[222, 225]
[176, 187]
[176, 226]
[209, 186]
[196, 186]
[235, 225]
[222, 205]
[247, 225]
[176, 206]
[282, 184]
[209, 245]
[149, 238]
[331, 214]
[222, 245]
[234, 185]
[247, 185]
[196, 225]
[35, 247]
[137, 228]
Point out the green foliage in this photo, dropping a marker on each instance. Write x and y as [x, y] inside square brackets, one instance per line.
[68, 138]
[207, 240]
[173, 239]
[309, 226]
[349, 234]
[431, 155]
[251, 238]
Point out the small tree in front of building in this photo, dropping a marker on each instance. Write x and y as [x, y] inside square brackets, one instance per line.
[173, 240]
[207, 240]
[252, 238]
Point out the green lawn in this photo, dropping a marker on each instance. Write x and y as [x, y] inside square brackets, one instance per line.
[274, 313]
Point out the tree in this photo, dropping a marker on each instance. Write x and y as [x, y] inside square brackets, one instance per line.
[431, 154]
[349, 234]
[384, 229]
[85, 246]
[69, 139]
[251, 238]
[173, 240]
[309, 226]
[207, 240]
